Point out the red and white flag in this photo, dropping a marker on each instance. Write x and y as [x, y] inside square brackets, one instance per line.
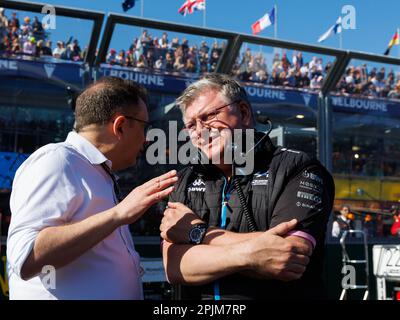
[192, 5]
[264, 22]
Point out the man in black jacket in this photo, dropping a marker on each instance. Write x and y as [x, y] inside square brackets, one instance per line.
[253, 235]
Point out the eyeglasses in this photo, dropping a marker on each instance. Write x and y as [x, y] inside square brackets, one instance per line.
[206, 119]
[147, 124]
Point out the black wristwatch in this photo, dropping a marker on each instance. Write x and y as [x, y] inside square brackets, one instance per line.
[197, 233]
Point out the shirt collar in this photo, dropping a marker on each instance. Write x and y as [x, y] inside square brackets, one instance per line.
[87, 149]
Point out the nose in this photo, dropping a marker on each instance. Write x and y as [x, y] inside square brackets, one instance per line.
[199, 127]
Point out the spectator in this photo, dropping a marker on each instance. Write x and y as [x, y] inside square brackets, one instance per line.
[214, 60]
[3, 23]
[204, 48]
[274, 79]
[132, 47]
[130, 60]
[163, 41]
[179, 65]
[276, 62]
[39, 48]
[169, 62]
[192, 54]
[349, 78]
[185, 46]
[112, 57]
[342, 222]
[37, 27]
[120, 58]
[150, 59]
[291, 80]
[175, 44]
[261, 76]
[191, 66]
[16, 47]
[46, 51]
[75, 51]
[145, 40]
[59, 50]
[13, 32]
[160, 63]
[395, 93]
[298, 62]
[14, 21]
[141, 62]
[285, 62]
[24, 36]
[27, 25]
[316, 82]
[395, 228]
[216, 49]
[30, 47]
[314, 62]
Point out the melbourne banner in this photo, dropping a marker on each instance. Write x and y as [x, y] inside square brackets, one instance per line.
[68, 72]
[378, 107]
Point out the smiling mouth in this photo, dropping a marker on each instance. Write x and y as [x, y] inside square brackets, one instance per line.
[209, 142]
[209, 138]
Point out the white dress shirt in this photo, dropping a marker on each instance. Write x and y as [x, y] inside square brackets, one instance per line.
[65, 183]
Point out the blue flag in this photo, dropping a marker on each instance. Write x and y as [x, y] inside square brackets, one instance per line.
[128, 4]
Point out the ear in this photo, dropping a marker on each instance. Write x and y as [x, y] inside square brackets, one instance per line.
[245, 112]
[118, 126]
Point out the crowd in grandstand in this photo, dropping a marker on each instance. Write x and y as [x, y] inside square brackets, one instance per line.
[294, 73]
[159, 53]
[28, 38]
[154, 53]
[372, 83]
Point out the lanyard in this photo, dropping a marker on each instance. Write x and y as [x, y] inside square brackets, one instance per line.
[117, 190]
[224, 211]
[117, 199]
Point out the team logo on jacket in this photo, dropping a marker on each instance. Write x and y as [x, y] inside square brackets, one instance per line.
[260, 179]
[197, 185]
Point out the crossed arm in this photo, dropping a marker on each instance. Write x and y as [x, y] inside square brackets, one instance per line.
[268, 255]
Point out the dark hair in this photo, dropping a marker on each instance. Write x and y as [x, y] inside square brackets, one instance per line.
[99, 102]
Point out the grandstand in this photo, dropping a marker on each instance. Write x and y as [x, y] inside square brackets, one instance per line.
[342, 106]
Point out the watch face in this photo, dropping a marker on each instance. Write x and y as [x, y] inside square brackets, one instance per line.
[195, 234]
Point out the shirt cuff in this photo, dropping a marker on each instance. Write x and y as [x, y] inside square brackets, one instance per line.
[303, 235]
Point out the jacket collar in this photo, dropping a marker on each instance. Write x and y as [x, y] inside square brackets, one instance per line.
[87, 149]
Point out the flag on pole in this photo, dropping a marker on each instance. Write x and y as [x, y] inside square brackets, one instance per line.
[128, 4]
[192, 5]
[267, 20]
[395, 41]
[335, 29]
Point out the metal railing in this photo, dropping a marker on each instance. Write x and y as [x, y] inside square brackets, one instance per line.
[346, 260]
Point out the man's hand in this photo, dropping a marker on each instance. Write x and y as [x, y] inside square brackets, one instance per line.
[177, 222]
[141, 198]
[271, 256]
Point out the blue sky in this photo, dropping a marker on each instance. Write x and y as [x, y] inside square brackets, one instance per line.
[300, 21]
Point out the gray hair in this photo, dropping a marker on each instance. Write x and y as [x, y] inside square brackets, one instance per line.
[230, 88]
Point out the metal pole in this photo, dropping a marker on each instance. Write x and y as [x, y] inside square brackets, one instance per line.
[141, 13]
[328, 119]
[204, 14]
[276, 22]
[321, 129]
[398, 47]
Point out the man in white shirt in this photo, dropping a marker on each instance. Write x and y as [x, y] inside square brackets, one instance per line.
[69, 236]
[342, 222]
